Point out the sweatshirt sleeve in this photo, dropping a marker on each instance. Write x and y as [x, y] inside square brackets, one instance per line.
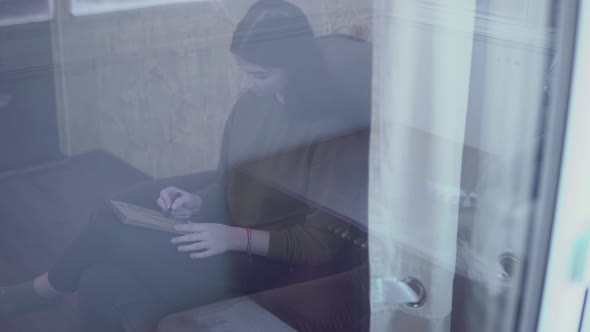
[333, 168]
[310, 242]
[213, 196]
[213, 199]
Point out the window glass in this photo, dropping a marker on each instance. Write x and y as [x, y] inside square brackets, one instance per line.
[275, 165]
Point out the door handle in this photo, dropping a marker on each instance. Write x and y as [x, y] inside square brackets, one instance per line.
[409, 291]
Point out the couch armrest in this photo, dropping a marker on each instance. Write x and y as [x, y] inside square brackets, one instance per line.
[336, 303]
[237, 314]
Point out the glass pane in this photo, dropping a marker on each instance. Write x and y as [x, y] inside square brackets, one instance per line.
[334, 165]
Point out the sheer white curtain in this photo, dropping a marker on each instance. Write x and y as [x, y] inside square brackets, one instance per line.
[457, 107]
[421, 80]
[510, 85]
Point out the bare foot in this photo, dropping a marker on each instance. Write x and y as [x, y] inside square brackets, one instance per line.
[28, 296]
[44, 288]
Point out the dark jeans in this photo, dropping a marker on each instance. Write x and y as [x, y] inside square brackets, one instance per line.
[130, 275]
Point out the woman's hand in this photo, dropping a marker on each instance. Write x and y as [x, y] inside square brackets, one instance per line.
[183, 207]
[210, 239]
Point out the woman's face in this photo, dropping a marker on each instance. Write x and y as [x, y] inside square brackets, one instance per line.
[260, 80]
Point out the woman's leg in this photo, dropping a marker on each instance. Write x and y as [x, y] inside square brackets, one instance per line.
[111, 299]
[114, 265]
[101, 241]
[177, 281]
[147, 254]
[92, 247]
[150, 279]
[105, 237]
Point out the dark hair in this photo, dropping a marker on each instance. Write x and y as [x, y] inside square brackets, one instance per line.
[276, 33]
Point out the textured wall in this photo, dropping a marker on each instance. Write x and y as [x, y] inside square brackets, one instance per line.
[154, 86]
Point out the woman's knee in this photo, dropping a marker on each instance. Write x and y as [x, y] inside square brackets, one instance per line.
[101, 225]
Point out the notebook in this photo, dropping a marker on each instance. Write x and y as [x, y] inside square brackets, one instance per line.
[131, 214]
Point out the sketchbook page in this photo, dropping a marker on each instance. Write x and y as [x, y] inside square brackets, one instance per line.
[140, 215]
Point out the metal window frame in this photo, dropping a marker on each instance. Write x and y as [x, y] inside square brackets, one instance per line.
[548, 216]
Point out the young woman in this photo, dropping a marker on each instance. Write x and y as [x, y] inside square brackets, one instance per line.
[245, 235]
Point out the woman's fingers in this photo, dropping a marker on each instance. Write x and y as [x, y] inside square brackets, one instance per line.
[165, 198]
[181, 201]
[181, 213]
[161, 203]
[195, 227]
[202, 237]
[167, 193]
[203, 254]
[187, 201]
[193, 247]
[192, 237]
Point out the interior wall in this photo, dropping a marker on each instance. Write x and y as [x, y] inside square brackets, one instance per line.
[154, 86]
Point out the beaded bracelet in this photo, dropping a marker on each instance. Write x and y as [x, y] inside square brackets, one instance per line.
[249, 243]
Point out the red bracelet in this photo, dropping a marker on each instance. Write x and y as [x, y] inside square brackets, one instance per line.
[249, 243]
